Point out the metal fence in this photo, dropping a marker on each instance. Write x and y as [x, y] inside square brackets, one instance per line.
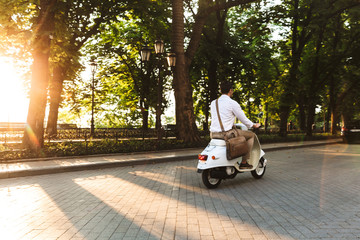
[16, 135]
[107, 133]
[12, 135]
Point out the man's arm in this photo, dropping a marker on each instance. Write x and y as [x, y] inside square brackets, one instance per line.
[239, 113]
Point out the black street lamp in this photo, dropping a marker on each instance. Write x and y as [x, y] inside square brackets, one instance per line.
[159, 46]
[93, 66]
[145, 56]
[171, 59]
[145, 53]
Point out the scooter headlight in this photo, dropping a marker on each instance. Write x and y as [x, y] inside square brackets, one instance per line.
[202, 157]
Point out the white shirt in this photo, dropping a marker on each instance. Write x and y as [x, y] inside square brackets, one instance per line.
[229, 110]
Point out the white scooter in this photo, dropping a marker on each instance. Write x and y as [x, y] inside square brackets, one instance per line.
[214, 166]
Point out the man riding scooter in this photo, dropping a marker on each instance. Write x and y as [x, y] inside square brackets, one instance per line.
[222, 123]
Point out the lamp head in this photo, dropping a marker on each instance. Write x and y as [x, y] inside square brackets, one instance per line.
[93, 65]
[145, 53]
[159, 46]
[171, 59]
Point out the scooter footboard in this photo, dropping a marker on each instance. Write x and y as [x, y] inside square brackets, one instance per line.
[255, 155]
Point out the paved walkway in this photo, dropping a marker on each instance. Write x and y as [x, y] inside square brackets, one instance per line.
[66, 164]
[308, 193]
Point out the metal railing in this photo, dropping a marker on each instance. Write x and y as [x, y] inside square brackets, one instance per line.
[14, 135]
[17, 134]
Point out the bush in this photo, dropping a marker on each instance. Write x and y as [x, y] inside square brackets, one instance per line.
[61, 149]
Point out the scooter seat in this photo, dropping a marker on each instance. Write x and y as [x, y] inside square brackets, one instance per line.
[217, 142]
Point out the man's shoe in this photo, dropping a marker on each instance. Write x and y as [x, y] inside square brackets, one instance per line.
[245, 166]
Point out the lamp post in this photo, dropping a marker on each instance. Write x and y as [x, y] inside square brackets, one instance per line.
[93, 66]
[159, 50]
[145, 56]
[171, 59]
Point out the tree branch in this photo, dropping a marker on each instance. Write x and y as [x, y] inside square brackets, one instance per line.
[228, 4]
[200, 20]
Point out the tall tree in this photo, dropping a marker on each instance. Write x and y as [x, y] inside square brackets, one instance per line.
[185, 119]
[77, 22]
[207, 64]
[236, 47]
[43, 29]
[308, 23]
[301, 16]
[130, 84]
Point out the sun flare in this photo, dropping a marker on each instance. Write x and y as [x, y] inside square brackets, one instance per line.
[13, 100]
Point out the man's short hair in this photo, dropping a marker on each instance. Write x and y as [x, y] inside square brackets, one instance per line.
[225, 87]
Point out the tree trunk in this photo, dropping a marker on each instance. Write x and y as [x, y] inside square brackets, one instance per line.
[248, 106]
[310, 119]
[34, 132]
[207, 116]
[213, 66]
[298, 42]
[287, 98]
[185, 118]
[284, 115]
[314, 86]
[56, 86]
[332, 106]
[327, 116]
[213, 92]
[334, 120]
[266, 117]
[302, 113]
[213, 82]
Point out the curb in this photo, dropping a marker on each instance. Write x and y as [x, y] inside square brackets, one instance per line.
[300, 146]
[25, 160]
[89, 166]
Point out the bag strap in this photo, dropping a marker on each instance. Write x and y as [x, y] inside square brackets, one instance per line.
[221, 125]
[217, 110]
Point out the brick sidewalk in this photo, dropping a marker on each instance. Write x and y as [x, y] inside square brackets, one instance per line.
[306, 193]
[66, 164]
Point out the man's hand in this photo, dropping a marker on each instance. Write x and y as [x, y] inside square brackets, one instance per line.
[256, 125]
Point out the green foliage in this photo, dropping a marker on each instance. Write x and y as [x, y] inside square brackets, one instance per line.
[244, 56]
[126, 88]
[68, 149]
[243, 50]
[315, 63]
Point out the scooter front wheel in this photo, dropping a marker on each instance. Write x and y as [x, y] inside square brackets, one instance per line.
[259, 171]
[208, 181]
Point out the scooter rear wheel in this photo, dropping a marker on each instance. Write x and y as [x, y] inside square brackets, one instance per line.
[208, 181]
